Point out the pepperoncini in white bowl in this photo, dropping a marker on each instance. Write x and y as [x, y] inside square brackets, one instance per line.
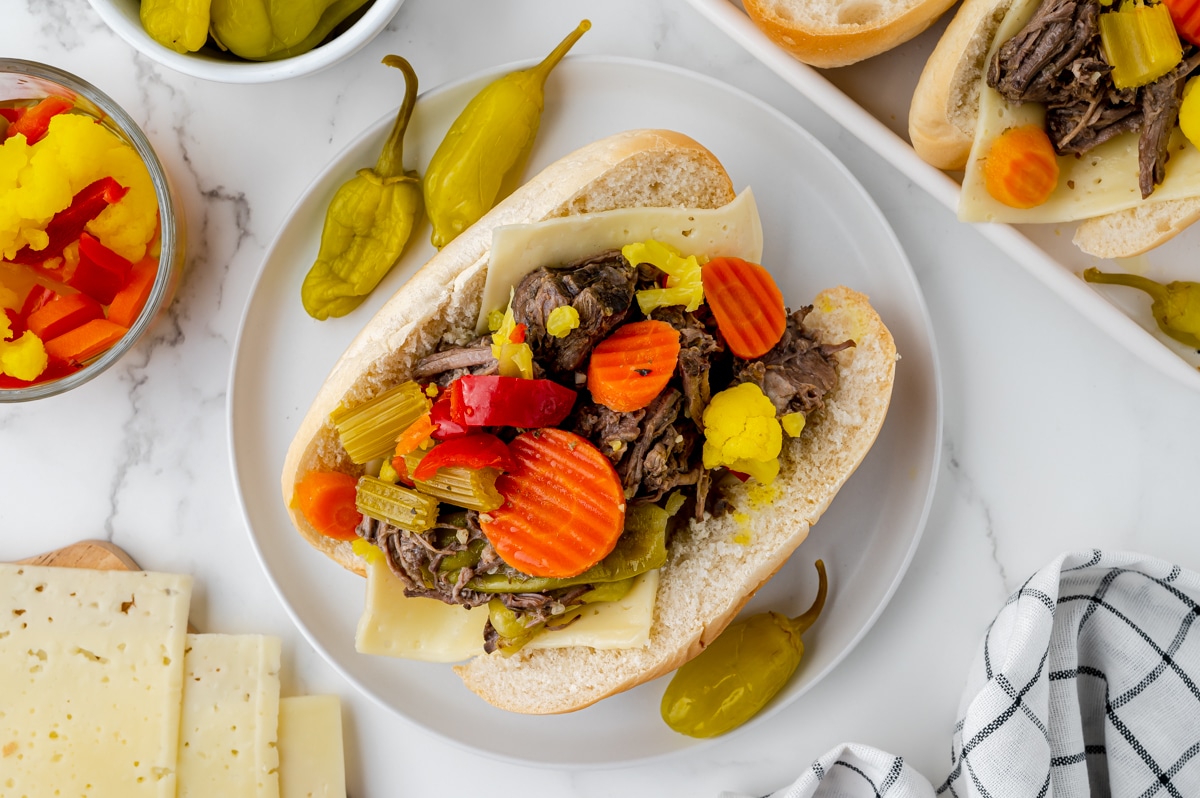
[189, 37]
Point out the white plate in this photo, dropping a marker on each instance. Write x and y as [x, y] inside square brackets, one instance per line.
[871, 100]
[821, 229]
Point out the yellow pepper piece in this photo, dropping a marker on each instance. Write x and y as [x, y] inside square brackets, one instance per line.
[1140, 42]
[367, 551]
[1189, 112]
[793, 424]
[515, 359]
[742, 433]
[684, 285]
[562, 320]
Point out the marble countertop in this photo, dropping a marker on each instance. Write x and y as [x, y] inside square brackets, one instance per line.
[1055, 438]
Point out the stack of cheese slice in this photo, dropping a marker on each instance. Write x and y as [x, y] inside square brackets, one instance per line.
[103, 693]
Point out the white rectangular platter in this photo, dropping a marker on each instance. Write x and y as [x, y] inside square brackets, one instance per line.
[871, 99]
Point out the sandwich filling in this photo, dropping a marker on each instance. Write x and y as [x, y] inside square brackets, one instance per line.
[669, 467]
[1057, 59]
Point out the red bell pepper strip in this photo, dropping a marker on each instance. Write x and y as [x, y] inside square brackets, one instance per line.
[517, 336]
[480, 450]
[11, 114]
[34, 121]
[444, 426]
[67, 224]
[16, 324]
[37, 298]
[101, 273]
[491, 401]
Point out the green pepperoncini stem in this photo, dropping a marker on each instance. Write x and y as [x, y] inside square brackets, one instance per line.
[542, 70]
[801, 622]
[1155, 290]
[391, 159]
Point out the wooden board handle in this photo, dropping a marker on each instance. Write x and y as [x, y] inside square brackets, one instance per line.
[98, 554]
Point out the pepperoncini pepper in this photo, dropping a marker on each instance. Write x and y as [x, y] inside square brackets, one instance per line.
[734, 678]
[181, 25]
[368, 222]
[267, 30]
[1176, 305]
[485, 151]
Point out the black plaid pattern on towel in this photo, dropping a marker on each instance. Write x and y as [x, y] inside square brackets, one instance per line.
[1087, 684]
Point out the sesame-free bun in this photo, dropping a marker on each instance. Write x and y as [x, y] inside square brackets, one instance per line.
[834, 33]
[708, 576]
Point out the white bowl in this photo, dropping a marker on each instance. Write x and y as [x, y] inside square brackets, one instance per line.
[210, 64]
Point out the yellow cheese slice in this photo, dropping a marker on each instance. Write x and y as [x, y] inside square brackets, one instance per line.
[311, 761]
[91, 676]
[733, 230]
[394, 625]
[610, 624]
[1102, 181]
[227, 743]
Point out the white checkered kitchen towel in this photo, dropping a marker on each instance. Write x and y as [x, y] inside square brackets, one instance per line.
[1087, 684]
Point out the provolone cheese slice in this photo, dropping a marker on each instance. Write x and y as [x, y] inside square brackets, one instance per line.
[733, 230]
[1102, 181]
[311, 760]
[91, 674]
[227, 745]
[610, 624]
[394, 625]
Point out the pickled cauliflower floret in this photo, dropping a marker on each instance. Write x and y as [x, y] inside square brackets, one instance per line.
[742, 433]
[38, 181]
[23, 358]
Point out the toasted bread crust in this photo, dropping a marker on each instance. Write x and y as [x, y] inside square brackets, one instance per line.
[860, 30]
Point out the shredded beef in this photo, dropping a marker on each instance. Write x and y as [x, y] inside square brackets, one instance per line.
[651, 452]
[448, 364]
[797, 373]
[697, 348]
[600, 289]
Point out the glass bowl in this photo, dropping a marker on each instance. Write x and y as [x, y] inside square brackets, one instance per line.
[29, 80]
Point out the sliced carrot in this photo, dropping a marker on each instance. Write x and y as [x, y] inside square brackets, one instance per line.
[632, 366]
[64, 312]
[327, 500]
[414, 435]
[1186, 15]
[746, 303]
[1021, 170]
[564, 506]
[85, 341]
[129, 301]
